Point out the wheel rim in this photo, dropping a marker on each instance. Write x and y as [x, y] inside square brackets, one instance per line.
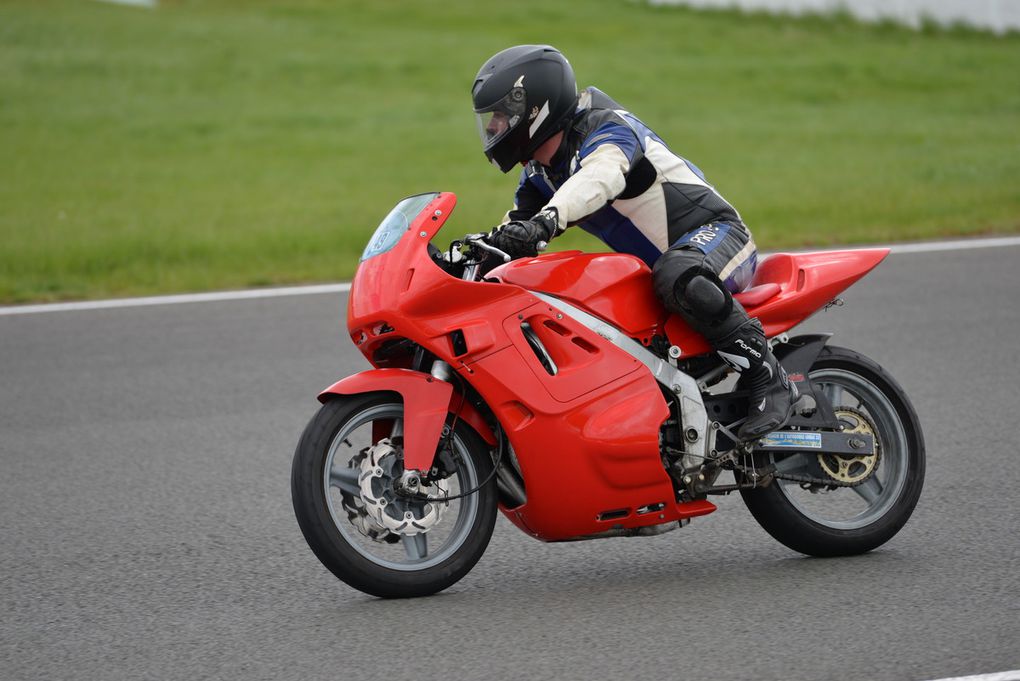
[849, 508]
[397, 552]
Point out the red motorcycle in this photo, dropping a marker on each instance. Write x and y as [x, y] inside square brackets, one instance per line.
[558, 390]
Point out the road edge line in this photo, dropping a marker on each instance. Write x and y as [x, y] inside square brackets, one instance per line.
[254, 294]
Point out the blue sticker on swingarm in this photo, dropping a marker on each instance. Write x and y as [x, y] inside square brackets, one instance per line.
[793, 440]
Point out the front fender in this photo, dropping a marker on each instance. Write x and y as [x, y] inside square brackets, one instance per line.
[426, 404]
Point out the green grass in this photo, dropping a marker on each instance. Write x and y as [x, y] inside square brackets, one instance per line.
[220, 144]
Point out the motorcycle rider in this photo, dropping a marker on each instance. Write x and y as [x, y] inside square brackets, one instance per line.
[589, 162]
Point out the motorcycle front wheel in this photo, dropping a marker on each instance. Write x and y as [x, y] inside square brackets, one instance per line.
[376, 541]
[877, 494]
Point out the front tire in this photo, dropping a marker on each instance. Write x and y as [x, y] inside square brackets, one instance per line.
[847, 521]
[331, 509]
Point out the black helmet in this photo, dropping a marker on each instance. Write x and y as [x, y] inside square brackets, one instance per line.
[523, 96]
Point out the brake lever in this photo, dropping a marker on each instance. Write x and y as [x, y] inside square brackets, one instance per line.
[477, 240]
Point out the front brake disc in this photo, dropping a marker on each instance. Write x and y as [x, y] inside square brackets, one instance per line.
[378, 471]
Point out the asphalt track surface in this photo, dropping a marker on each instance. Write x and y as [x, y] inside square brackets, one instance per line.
[147, 529]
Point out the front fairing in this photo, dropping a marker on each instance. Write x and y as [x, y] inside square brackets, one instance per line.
[594, 422]
[401, 293]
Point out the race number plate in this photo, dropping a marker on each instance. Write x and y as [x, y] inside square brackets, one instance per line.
[791, 440]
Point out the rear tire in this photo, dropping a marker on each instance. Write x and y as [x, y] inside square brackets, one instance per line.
[388, 565]
[802, 523]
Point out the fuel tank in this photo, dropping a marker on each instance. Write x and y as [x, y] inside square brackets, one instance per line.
[613, 286]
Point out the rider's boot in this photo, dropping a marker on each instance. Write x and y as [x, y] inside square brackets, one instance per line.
[772, 394]
[709, 308]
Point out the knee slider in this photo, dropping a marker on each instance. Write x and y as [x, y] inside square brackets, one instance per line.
[704, 296]
[671, 273]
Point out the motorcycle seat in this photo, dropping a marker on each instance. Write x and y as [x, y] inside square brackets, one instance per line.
[756, 295]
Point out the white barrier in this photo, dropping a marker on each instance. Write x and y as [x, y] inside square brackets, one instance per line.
[149, 4]
[995, 15]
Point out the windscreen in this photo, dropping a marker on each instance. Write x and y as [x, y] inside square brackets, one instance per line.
[393, 226]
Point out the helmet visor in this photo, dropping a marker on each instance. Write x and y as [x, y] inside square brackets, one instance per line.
[496, 122]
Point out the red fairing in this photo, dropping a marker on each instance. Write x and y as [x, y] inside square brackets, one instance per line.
[613, 286]
[403, 294]
[585, 436]
[590, 463]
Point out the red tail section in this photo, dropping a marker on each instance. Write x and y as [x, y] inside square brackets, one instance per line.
[801, 283]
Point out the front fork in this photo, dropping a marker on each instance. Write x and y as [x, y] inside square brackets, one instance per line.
[441, 371]
[509, 481]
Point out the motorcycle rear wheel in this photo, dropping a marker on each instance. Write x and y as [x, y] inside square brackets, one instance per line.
[851, 520]
[325, 486]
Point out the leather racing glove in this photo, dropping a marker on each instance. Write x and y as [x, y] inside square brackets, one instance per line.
[520, 238]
